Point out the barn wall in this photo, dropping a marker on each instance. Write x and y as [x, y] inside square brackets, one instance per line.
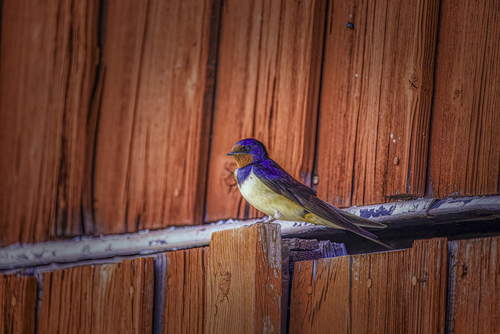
[116, 116]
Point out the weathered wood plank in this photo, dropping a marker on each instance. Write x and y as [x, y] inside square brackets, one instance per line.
[244, 280]
[389, 292]
[427, 298]
[112, 298]
[48, 61]
[320, 296]
[184, 292]
[17, 304]
[267, 88]
[474, 297]
[375, 104]
[378, 293]
[464, 154]
[153, 125]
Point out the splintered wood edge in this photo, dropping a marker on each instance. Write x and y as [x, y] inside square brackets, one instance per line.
[395, 215]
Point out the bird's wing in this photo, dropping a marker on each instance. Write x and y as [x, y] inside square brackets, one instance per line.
[279, 181]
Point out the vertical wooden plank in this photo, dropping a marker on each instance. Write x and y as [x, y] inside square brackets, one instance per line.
[113, 298]
[17, 304]
[153, 124]
[464, 154]
[320, 296]
[379, 289]
[427, 298]
[375, 104]
[2, 303]
[378, 292]
[48, 56]
[184, 292]
[285, 283]
[244, 280]
[267, 88]
[476, 294]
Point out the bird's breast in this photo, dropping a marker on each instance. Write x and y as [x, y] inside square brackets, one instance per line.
[266, 200]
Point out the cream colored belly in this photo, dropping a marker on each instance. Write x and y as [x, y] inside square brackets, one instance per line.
[267, 201]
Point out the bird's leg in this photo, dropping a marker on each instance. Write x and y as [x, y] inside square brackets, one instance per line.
[277, 216]
[269, 220]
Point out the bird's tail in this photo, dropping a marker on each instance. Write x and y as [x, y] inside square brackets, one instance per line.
[357, 220]
[355, 229]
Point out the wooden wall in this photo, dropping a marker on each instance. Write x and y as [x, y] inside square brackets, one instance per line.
[115, 116]
[235, 285]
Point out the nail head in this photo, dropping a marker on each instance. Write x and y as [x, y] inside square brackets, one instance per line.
[461, 271]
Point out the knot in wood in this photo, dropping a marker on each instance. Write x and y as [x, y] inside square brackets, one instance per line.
[227, 173]
[415, 81]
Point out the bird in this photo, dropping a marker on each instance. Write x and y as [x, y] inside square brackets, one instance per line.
[271, 190]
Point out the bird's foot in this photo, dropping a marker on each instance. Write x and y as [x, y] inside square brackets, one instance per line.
[267, 220]
[277, 216]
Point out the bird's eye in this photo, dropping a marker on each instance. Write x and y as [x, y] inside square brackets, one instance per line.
[247, 148]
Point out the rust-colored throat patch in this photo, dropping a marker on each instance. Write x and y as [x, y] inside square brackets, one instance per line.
[243, 159]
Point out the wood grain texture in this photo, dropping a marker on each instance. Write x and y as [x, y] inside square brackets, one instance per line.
[48, 61]
[373, 293]
[465, 138]
[427, 298]
[17, 304]
[474, 293]
[152, 140]
[112, 298]
[244, 280]
[320, 296]
[184, 292]
[376, 97]
[379, 288]
[267, 88]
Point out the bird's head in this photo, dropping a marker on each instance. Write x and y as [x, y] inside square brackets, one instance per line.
[247, 151]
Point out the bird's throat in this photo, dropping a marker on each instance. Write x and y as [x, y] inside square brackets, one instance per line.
[243, 160]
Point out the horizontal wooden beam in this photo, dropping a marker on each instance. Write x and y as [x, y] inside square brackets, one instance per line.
[397, 215]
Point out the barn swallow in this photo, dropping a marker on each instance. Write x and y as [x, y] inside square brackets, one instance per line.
[270, 189]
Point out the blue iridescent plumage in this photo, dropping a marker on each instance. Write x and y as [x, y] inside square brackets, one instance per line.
[270, 189]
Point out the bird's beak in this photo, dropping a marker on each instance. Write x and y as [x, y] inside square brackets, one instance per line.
[232, 153]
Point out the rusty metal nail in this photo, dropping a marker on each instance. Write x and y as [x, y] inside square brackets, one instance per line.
[13, 301]
[396, 160]
[416, 280]
[315, 179]
[461, 270]
[309, 290]
[369, 283]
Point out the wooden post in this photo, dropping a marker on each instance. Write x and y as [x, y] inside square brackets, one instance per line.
[244, 280]
[17, 304]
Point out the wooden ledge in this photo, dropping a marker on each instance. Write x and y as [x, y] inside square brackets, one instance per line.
[408, 216]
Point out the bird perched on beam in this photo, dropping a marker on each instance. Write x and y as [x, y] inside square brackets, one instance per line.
[270, 189]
